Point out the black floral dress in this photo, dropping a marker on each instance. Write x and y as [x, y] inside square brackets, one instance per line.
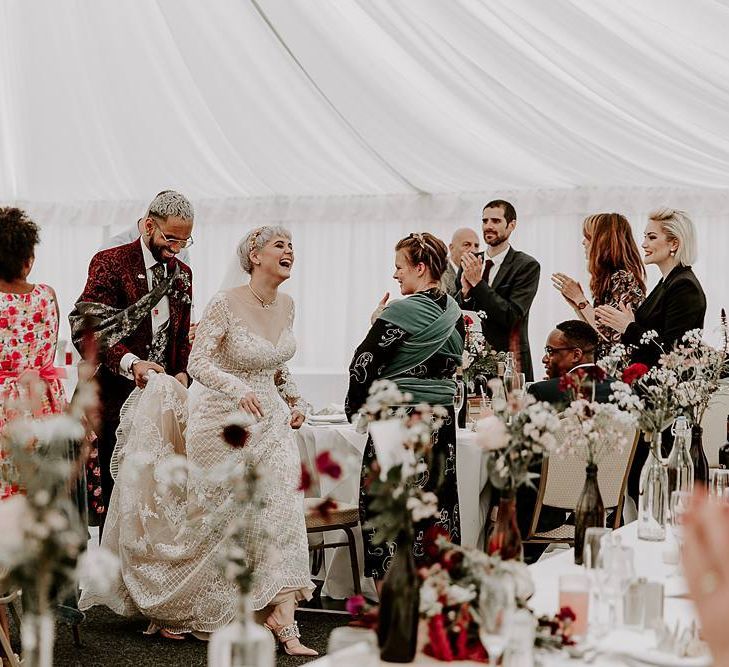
[369, 360]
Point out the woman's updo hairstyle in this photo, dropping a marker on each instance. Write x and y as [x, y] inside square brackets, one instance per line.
[18, 238]
[425, 248]
[256, 239]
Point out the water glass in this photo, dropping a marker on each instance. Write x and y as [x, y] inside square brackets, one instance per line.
[459, 396]
[574, 592]
[719, 483]
[680, 502]
[367, 652]
[616, 570]
[593, 543]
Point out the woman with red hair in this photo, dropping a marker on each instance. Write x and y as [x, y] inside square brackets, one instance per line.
[617, 273]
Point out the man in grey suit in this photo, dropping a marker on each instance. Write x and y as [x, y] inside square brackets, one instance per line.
[503, 286]
[464, 240]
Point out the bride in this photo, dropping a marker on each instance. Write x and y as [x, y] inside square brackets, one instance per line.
[165, 537]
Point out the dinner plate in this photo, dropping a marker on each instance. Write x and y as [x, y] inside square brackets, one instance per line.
[327, 419]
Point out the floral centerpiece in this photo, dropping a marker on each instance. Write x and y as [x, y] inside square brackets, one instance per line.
[479, 359]
[517, 435]
[591, 431]
[402, 436]
[462, 593]
[42, 537]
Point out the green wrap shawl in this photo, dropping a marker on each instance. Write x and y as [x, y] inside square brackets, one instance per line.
[432, 331]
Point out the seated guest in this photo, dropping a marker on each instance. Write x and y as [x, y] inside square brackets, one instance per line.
[617, 274]
[464, 240]
[677, 304]
[570, 347]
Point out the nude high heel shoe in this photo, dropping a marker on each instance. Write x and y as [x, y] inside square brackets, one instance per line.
[288, 638]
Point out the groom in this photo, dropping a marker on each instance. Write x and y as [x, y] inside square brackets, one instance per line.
[137, 303]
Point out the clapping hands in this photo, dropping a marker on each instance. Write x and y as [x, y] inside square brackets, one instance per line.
[615, 318]
[380, 307]
[472, 270]
[570, 289]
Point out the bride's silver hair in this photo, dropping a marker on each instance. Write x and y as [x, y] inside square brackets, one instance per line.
[255, 240]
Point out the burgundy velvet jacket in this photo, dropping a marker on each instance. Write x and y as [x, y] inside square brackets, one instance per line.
[117, 277]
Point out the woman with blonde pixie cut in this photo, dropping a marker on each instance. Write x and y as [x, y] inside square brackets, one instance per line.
[677, 304]
[617, 274]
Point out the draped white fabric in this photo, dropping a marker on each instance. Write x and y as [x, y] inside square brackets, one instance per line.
[356, 122]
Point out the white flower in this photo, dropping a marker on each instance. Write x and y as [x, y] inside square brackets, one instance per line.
[99, 570]
[241, 418]
[423, 507]
[172, 472]
[429, 604]
[456, 594]
[492, 433]
[14, 517]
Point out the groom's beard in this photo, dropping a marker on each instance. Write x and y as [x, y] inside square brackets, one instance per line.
[157, 250]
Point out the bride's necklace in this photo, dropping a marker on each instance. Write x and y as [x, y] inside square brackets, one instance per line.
[263, 303]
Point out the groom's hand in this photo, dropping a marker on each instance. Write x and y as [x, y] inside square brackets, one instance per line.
[140, 368]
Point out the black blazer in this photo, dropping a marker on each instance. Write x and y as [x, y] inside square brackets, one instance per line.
[548, 390]
[676, 305]
[506, 304]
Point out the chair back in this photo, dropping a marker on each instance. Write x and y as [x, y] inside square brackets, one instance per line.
[562, 478]
[714, 425]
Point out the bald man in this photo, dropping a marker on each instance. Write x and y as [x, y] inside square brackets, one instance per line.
[464, 240]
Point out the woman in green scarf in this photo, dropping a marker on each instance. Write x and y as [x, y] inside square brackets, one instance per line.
[418, 344]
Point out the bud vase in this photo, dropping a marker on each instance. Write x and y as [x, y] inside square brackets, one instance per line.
[38, 634]
[589, 512]
[505, 538]
[653, 495]
[397, 626]
[242, 643]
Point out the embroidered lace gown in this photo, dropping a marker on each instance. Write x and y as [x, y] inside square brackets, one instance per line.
[168, 537]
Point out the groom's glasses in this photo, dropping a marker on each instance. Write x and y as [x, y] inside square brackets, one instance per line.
[182, 243]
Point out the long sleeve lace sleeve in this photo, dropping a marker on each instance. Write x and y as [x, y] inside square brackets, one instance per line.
[211, 333]
[288, 390]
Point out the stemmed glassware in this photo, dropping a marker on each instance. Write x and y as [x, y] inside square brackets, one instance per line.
[496, 607]
[459, 396]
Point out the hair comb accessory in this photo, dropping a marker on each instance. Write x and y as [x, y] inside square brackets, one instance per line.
[419, 238]
[254, 237]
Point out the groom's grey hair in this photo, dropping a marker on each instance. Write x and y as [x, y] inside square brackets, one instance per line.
[256, 239]
[171, 204]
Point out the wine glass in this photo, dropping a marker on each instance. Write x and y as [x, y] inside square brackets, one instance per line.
[518, 385]
[459, 396]
[496, 608]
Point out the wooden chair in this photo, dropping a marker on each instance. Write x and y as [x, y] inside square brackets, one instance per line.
[561, 482]
[344, 517]
[8, 600]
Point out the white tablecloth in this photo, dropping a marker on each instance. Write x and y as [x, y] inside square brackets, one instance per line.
[346, 446]
[648, 563]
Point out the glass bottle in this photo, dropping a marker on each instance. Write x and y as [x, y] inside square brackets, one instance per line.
[509, 372]
[698, 456]
[653, 495]
[680, 466]
[724, 449]
[242, 643]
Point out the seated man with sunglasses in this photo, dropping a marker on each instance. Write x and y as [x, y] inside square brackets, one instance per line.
[570, 347]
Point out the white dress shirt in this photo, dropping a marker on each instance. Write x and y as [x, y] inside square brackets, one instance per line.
[160, 311]
[498, 260]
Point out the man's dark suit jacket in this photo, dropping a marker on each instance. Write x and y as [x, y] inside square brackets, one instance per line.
[506, 303]
[548, 390]
[676, 305]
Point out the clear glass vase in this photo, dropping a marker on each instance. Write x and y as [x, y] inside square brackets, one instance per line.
[653, 495]
[242, 643]
[38, 635]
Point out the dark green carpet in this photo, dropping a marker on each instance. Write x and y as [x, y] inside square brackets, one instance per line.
[109, 639]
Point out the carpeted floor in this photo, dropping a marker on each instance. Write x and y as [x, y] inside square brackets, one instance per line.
[109, 639]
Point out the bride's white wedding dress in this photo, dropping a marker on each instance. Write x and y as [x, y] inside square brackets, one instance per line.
[168, 537]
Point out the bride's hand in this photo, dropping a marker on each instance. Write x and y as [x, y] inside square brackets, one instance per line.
[297, 419]
[380, 308]
[250, 403]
